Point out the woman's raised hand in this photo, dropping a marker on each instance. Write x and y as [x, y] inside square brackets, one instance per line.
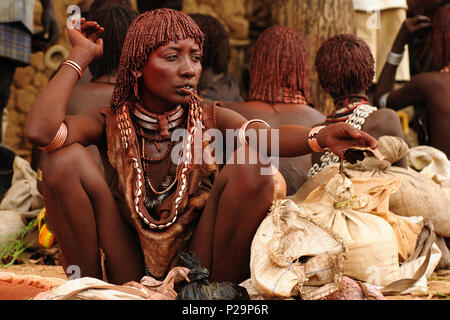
[341, 136]
[411, 27]
[87, 38]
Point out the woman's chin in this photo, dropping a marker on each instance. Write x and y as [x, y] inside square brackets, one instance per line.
[181, 99]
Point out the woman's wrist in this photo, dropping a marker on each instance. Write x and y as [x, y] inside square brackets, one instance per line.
[398, 48]
[80, 56]
[313, 140]
[399, 43]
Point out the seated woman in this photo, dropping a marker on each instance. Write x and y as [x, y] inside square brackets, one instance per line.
[150, 205]
[345, 67]
[216, 82]
[279, 92]
[429, 92]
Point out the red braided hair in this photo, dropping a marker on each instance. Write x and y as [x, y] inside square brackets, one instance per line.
[278, 60]
[345, 65]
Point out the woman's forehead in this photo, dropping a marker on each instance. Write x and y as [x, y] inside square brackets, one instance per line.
[180, 44]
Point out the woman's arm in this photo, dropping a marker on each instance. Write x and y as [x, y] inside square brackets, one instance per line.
[410, 28]
[49, 110]
[293, 139]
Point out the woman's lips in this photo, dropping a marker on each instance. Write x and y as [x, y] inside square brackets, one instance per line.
[185, 91]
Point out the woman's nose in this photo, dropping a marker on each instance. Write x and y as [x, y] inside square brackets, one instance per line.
[188, 69]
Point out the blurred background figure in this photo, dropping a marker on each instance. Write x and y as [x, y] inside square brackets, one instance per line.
[377, 23]
[345, 66]
[87, 8]
[216, 82]
[279, 92]
[420, 48]
[18, 40]
[428, 92]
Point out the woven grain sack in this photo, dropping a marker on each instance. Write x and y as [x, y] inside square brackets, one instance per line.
[431, 162]
[371, 242]
[293, 256]
[20, 202]
[417, 195]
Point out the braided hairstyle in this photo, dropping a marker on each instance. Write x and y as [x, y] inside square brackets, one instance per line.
[345, 65]
[146, 33]
[216, 49]
[441, 37]
[115, 20]
[278, 60]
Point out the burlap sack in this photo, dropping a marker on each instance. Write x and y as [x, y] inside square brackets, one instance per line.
[21, 201]
[380, 191]
[293, 256]
[370, 241]
[431, 162]
[417, 195]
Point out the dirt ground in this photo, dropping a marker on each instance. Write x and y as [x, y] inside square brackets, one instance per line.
[438, 283]
[39, 270]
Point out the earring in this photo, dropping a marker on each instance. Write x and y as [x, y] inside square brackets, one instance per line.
[136, 75]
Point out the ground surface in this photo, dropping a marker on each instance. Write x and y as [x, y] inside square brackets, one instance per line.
[438, 283]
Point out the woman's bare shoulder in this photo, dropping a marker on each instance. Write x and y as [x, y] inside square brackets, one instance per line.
[383, 122]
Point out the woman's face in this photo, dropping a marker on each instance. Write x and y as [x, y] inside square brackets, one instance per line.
[169, 68]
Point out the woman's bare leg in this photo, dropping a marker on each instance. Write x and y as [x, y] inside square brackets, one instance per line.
[84, 217]
[239, 201]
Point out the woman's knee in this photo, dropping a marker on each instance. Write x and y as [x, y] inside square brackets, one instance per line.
[64, 164]
[252, 180]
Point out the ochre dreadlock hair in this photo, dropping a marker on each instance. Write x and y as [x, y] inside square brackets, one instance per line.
[216, 49]
[146, 33]
[441, 37]
[115, 20]
[278, 60]
[345, 65]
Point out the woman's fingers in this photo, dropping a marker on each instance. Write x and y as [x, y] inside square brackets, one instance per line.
[361, 138]
[95, 34]
[88, 24]
[420, 22]
[92, 30]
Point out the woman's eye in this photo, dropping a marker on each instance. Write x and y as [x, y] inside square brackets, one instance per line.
[196, 58]
[172, 57]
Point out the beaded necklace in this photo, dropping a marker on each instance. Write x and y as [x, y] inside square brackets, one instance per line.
[155, 128]
[346, 109]
[194, 122]
[288, 97]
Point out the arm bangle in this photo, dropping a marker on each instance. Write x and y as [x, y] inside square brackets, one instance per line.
[312, 141]
[242, 139]
[382, 103]
[75, 66]
[58, 140]
[394, 58]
